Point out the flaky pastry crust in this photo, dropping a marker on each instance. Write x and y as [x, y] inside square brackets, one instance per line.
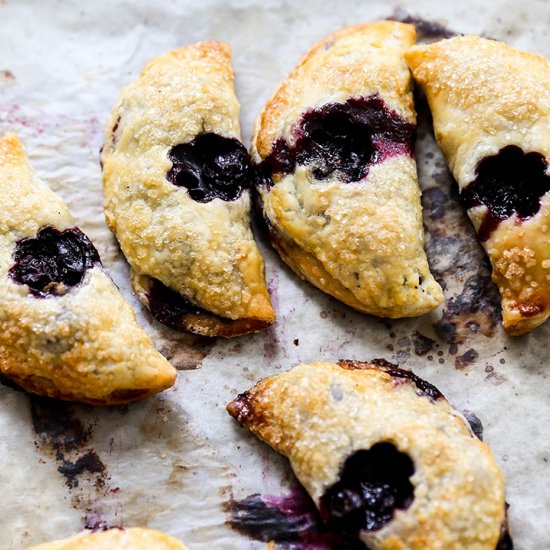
[203, 251]
[361, 242]
[115, 539]
[84, 345]
[485, 95]
[319, 414]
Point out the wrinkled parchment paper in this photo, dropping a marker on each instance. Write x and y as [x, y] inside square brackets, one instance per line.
[178, 462]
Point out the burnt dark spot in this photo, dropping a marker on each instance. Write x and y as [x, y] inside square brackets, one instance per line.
[62, 437]
[55, 425]
[435, 200]
[116, 124]
[291, 521]
[422, 344]
[53, 261]
[211, 167]
[475, 423]
[114, 137]
[468, 357]
[88, 462]
[510, 182]
[344, 138]
[425, 388]
[373, 484]
[475, 310]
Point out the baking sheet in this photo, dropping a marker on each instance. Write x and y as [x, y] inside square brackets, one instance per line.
[178, 462]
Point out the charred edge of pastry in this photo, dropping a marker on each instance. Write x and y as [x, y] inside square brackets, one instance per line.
[241, 408]
[177, 312]
[117, 397]
[53, 261]
[425, 388]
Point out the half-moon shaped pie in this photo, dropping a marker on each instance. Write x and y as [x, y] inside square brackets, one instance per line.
[491, 113]
[176, 182]
[382, 454]
[65, 329]
[115, 539]
[338, 186]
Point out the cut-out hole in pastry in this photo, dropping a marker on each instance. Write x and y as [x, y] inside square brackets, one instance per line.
[53, 261]
[346, 138]
[211, 167]
[510, 182]
[373, 484]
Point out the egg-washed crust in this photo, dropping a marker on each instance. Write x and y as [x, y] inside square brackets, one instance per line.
[203, 251]
[134, 538]
[84, 345]
[319, 414]
[485, 95]
[361, 242]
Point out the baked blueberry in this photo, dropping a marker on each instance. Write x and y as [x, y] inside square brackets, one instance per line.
[53, 261]
[373, 484]
[211, 166]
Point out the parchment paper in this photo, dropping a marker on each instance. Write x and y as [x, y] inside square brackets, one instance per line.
[178, 462]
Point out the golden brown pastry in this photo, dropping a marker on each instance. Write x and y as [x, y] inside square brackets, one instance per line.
[338, 185]
[382, 454]
[176, 179]
[115, 539]
[65, 330]
[491, 113]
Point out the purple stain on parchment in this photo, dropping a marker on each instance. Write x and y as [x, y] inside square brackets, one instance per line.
[39, 121]
[291, 521]
[273, 289]
[271, 337]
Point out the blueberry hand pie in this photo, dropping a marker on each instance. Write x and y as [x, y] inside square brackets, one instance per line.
[337, 180]
[176, 183]
[115, 539]
[491, 113]
[65, 330]
[382, 454]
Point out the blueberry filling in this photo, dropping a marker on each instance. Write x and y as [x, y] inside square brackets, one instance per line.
[169, 307]
[425, 388]
[372, 485]
[211, 166]
[53, 260]
[344, 138]
[510, 182]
